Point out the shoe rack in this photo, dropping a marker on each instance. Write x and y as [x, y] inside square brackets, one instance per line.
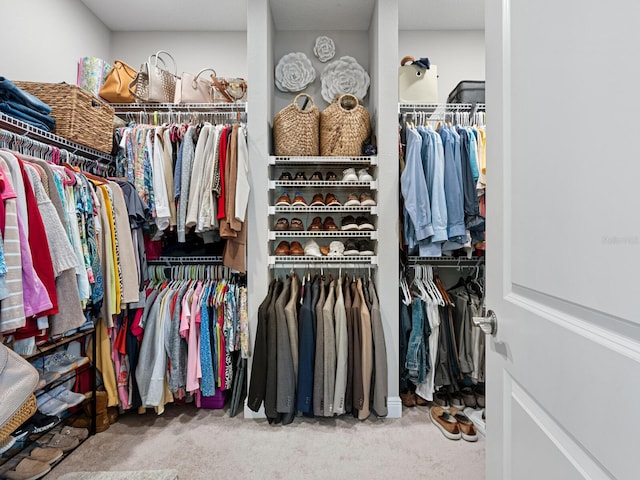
[364, 253]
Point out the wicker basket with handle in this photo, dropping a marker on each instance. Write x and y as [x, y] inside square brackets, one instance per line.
[344, 126]
[24, 413]
[80, 117]
[296, 131]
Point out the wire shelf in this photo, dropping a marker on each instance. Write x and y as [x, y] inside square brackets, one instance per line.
[13, 125]
[319, 160]
[209, 260]
[275, 184]
[373, 234]
[440, 107]
[179, 107]
[341, 209]
[447, 261]
[347, 261]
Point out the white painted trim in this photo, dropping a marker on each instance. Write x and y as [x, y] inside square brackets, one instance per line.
[608, 339]
[572, 451]
[394, 407]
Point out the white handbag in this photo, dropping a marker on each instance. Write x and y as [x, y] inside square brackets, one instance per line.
[18, 379]
[417, 84]
[194, 89]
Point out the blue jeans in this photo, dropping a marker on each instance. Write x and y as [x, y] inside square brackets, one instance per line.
[405, 330]
[27, 115]
[416, 353]
[8, 91]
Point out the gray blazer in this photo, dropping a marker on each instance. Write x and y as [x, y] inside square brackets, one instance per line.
[286, 379]
[318, 371]
[380, 382]
[329, 351]
[342, 351]
[367, 354]
[291, 314]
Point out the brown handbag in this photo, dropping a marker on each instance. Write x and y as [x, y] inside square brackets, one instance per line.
[115, 88]
[229, 90]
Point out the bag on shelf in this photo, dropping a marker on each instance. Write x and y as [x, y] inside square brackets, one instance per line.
[344, 126]
[296, 131]
[467, 91]
[229, 90]
[91, 74]
[416, 83]
[115, 88]
[154, 83]
[194, 89]
[18, 379]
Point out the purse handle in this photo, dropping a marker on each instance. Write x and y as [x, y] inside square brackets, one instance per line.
[205, 70]
[157, 57]
[348, 96]
[309, 99]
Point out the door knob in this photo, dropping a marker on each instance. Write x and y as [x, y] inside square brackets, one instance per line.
[488, 324]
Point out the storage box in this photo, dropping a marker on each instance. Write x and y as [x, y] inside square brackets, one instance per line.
[80, 117]
[467, 91]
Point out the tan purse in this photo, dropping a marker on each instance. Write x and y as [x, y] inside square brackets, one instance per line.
[229, 90]
[18, 379]
[154, 83]
[194, 89]
[344, 126]
[115, 88]
[296, 131]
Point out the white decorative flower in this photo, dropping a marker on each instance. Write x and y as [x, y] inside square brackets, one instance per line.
[294, 72]
[324, 49]
[344, 75]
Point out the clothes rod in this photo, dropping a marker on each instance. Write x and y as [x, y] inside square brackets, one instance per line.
[209, 260]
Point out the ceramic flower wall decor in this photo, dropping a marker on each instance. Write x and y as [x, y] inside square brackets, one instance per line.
[344, 75]
[324, 48]
[294, 72]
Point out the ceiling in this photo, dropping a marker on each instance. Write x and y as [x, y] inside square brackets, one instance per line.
[231, 15]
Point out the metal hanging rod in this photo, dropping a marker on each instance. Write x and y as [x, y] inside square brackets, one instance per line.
[179, 107]
[440, 107]
[209, 260]
[446, 261]
[13, 125]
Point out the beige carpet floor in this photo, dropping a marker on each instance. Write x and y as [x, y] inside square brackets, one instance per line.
[207, 444]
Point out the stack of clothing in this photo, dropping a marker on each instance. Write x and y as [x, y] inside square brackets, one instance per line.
[23, 106]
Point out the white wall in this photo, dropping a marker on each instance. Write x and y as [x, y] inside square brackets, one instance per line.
[226, 52]
[459, 54]
[43, 40]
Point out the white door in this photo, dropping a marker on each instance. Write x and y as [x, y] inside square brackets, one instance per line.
[563, 239]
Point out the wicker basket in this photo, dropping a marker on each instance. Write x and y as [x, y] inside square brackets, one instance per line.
[80, 117]
[25, 412]
[296, 131]
[344, 126]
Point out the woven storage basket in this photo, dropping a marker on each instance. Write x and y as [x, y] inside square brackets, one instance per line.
[297, 131]
[25, 412]
[344, 126]
[80, 117]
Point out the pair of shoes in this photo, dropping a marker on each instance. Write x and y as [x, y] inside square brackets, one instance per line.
[360, 247]
[477, 417]
[7, 443]
[349, 175]
[38, 423]
[413, 399]
[360, 223]
[454, 425]
[27, 469]
[473, 396]
[283, 224]
[286, 248]
[50, 405]
[318, 226]
[364, 199]
[67, 396]
[60, 362]
[329, 200]
[336, 249]
[312, 249]
[285, 201]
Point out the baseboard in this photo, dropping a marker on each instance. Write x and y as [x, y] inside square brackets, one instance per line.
[394, 410]
[394, 407]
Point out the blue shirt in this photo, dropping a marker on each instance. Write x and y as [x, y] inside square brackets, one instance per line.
[414, 187]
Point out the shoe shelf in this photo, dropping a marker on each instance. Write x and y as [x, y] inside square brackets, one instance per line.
[372, 234]
[62, 378]
[278, 184]
[358, 261]
[50, 347]
[373, 210]
[447, 261]
[279, 160]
